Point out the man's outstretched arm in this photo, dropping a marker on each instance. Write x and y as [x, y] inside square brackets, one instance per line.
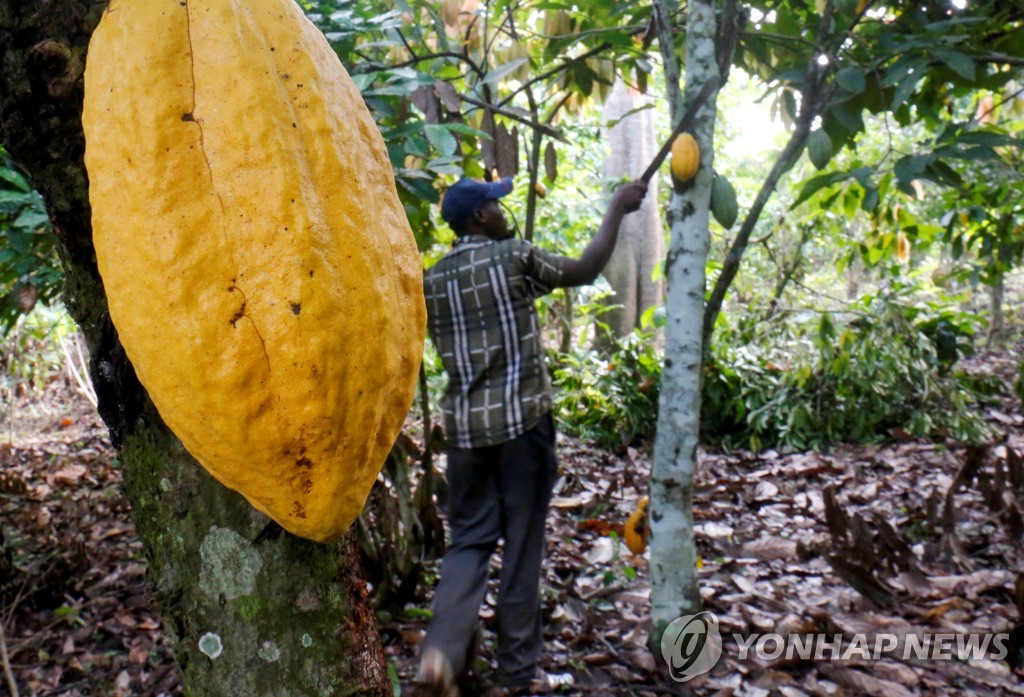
[582, 271]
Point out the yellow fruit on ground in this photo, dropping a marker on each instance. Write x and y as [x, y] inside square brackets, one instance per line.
[685, 157]
[637, 531]
[258, 265]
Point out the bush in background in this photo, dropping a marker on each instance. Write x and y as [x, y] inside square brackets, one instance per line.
[884, 368]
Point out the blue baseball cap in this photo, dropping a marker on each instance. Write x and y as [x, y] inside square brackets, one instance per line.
[466, 195]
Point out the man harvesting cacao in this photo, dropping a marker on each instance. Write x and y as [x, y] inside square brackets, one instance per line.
[501, 439]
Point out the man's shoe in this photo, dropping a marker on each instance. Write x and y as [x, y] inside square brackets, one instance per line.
[435, 677]
[540, 684]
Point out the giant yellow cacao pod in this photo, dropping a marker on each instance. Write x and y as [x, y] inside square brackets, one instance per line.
[685, 157]
[258, 265]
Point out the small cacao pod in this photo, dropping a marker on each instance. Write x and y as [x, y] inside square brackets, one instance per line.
[685, 157]
[723, 201]
[819, 148]
[258, 264]
[637, 531]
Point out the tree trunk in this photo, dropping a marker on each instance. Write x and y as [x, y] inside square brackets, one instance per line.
[996, 323]
[252, 614]
[674, 590]
[641, 243]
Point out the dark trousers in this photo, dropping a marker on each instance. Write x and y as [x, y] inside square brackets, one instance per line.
[500, 491]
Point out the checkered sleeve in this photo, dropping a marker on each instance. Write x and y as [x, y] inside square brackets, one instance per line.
[543, 269]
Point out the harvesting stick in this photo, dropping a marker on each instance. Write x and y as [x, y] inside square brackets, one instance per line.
[684, 124]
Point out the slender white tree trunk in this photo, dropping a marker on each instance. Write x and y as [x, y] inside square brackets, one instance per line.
[674, 590]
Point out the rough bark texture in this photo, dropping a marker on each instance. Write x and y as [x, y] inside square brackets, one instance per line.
[252, 614]
[641, 243]
[674, 590]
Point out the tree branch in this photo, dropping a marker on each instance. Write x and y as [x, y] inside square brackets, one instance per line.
[8, 673]
[815, 95]
[415, 60]
[666, 45]
[554, 71]
[526, 121]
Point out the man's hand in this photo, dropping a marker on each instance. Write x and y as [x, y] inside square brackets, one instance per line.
[628, 197]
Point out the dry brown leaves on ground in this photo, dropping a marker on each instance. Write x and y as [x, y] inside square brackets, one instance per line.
[912, 537]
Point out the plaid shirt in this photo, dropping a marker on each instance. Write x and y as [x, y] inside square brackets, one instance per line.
[483, 322]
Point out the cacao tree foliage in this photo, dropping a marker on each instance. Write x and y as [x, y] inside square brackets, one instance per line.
[829, 65]
[29, 271]
[461, 85]
[458, 85]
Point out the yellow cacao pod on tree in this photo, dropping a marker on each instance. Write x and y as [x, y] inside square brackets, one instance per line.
[685, 157]
[637, 531]
[258, 265]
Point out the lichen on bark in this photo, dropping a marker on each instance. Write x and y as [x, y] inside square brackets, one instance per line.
[230, 564]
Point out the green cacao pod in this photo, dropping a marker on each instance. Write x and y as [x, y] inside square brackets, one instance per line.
[723, 201]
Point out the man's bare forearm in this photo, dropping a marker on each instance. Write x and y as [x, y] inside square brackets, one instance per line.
[588, 266]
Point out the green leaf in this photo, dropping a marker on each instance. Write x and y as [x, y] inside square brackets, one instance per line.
[863, 176]
[979, 154]
[406, 129]
[816, 184]
[66, 611]
[906, 88]
[419, 188]
[612, 123]
[362, 81]
[941, 173]
[959, 63]
[848, 115]
[870, 202]
[851, 80]
[911, 167]
[441, 138]
[32, 219]
[466, 130]
[16, 178]
[449, 71]
[412, 173]
[446, 165]
[18, 198]
[503, 70]
[392, 90]
[987, 138]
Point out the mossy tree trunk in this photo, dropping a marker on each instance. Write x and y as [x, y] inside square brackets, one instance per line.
[252, 614]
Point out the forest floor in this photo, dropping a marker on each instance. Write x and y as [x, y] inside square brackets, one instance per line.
[913, 537]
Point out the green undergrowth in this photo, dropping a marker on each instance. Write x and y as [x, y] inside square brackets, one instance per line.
[886, 367]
